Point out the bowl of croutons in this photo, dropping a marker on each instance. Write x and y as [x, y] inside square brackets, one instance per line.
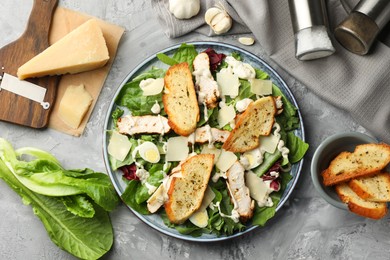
[350, 171]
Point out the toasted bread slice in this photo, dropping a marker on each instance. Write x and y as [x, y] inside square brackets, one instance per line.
[257, 120]
[367, 159]
[373, 188]
[185, 194]
[179, 98]
[357, 205]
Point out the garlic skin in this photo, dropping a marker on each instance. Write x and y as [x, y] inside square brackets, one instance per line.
[218, 19]
[184, 9]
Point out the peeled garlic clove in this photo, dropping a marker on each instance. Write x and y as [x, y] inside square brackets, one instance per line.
[246, 40]
[218, 19]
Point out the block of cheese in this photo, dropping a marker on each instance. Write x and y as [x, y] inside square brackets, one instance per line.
[83, 49]
[74, 105]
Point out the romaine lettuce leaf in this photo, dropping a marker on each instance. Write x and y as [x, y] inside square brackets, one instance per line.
[185, 53]
[166, 59]
[79, 205]
[128, 196]
[85, 238]
[298, 148]
[131, 95]
[47, 177]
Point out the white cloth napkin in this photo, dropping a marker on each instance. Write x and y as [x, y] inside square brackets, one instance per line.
[357, 84]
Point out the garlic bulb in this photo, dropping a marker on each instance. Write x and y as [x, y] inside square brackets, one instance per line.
[184, 9]
[218, 19]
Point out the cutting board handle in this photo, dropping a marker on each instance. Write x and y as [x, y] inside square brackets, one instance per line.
[38, 25]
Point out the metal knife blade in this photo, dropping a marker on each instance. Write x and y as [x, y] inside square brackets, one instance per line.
[24, 88]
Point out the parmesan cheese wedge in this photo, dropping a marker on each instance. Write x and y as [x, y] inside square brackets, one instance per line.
[82, 49]
[74, 105]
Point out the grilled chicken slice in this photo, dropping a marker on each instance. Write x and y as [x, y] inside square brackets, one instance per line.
[132, 125]
[207, 87]
[206, 134]
[239, 193]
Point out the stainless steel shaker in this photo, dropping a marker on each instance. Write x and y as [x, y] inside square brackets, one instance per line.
[359, 30]
[310, 24]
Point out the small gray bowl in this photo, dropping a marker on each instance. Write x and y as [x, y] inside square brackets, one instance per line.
[326, 151]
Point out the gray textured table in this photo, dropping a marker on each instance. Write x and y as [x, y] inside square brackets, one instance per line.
[306, 227]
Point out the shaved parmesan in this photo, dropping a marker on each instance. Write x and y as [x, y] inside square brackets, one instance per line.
[211, 150]
[225, 115]
[269, 143]
[200, 218]
[258, 189]
[156, 200]
[228, 83]
[226, 160]
[151, 87]
[261, 87]
[208, 197]
[118, 146]
[177, 149]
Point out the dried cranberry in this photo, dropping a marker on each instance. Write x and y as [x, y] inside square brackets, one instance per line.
[275, 185]
[215, 58]
[129, 172]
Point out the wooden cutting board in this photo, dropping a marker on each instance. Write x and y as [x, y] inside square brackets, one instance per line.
[35, 39]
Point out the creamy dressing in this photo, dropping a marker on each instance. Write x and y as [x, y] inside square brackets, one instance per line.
[218, 175]
[209, 136]
[156, 109]
[143, 176]
[240, 69]
[206, 83]
[166, 182]
[232, 123]
[205, 114]
[284, 150]
[243, 104]
[234, 214]
[281, 145]
[192, 139]
[279, 103]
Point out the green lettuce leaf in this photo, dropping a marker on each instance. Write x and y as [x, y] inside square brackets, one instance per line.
[85, 238]
[79, 205]
[128, 196]
[131, 95]
[298, 148]
[185, 53]
[166, 59]
[47, 177]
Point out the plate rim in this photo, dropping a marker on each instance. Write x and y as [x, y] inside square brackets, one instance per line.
[136, 69]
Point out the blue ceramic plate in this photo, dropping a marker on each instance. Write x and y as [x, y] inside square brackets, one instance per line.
[154, 220]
